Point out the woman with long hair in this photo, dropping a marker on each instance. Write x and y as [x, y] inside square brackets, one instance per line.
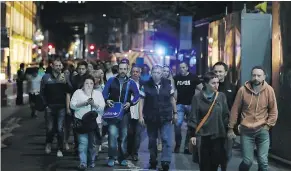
[208, 120]
[99, 86]
[83, 101]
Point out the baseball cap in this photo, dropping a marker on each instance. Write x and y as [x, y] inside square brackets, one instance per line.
[124, 61]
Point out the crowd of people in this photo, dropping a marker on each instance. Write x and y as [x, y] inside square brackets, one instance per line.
[77, 99]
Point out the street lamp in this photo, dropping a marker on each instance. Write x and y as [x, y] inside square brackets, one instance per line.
[161, 52]
[104, 15]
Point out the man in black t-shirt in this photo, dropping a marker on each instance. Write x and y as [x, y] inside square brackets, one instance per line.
[186, 84]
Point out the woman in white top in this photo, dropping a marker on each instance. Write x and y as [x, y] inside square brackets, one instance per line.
[81, 102]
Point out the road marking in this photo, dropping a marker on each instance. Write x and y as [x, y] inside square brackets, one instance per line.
[132, 166]
[8, 128]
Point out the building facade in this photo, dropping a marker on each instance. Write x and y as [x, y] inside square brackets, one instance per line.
[20, 19]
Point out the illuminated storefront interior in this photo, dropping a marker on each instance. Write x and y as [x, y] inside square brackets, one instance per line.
[20, 20]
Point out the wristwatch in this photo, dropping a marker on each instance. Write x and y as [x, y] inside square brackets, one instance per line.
[175, 113]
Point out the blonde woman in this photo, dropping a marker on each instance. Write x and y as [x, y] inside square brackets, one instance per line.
[99, 86]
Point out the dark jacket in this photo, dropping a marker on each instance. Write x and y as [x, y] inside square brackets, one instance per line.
[53, 91]
[216, 125]
[113, 90]
[229, 90]
[157, 106]
[77, 82]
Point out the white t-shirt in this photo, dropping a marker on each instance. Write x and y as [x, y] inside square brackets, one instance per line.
[134, 109]
[34, 83]
[79, 97]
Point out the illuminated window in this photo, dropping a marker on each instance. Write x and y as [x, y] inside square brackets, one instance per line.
[26, 27]
[34, 9]
[7, 20]
[22, 24]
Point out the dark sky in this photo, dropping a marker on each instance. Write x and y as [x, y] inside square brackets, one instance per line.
[54, 14]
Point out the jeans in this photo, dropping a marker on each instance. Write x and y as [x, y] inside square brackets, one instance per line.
[166, 136]
[54, 118]
[117, 135]
[249, 139]
[182, 111]
[134, 136]
[87, 148]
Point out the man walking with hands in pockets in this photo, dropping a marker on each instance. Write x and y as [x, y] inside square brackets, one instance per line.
[256, 102]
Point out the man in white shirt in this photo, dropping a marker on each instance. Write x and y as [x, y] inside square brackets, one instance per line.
[134, 129]
[34, 81]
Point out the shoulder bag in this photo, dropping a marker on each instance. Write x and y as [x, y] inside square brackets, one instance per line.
[116, 111]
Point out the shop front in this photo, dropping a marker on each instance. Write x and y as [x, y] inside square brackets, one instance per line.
[20, 21]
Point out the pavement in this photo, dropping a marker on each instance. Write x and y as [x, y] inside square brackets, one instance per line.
[23, 150]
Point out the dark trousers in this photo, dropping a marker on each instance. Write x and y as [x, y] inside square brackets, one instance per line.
[68, 128]
[167, 141]
[54, 118]
[32, 101]
[133, 137]
[19, 98]
[212, 153]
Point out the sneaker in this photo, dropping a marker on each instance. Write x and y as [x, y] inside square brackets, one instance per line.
[123, 163]
[60, 153]
[110, 163]
[67, 147]
[48, 148]
[92, 165]
[82, 167]
[186, 151]
[135, 157]
[165, 166]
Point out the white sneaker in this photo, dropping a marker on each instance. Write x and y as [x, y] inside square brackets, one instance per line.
[67, 147]
[59, 153]
[48, 148]
[160, 147]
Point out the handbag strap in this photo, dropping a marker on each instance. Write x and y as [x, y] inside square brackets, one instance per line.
[92, 98]
[207, 115]
[126, 91]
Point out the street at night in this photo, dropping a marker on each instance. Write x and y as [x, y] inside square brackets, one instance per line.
[143, 79]
[26, 149]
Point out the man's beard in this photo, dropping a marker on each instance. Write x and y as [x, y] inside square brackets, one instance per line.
[122, 74]
[57, 71]
[256, 83]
